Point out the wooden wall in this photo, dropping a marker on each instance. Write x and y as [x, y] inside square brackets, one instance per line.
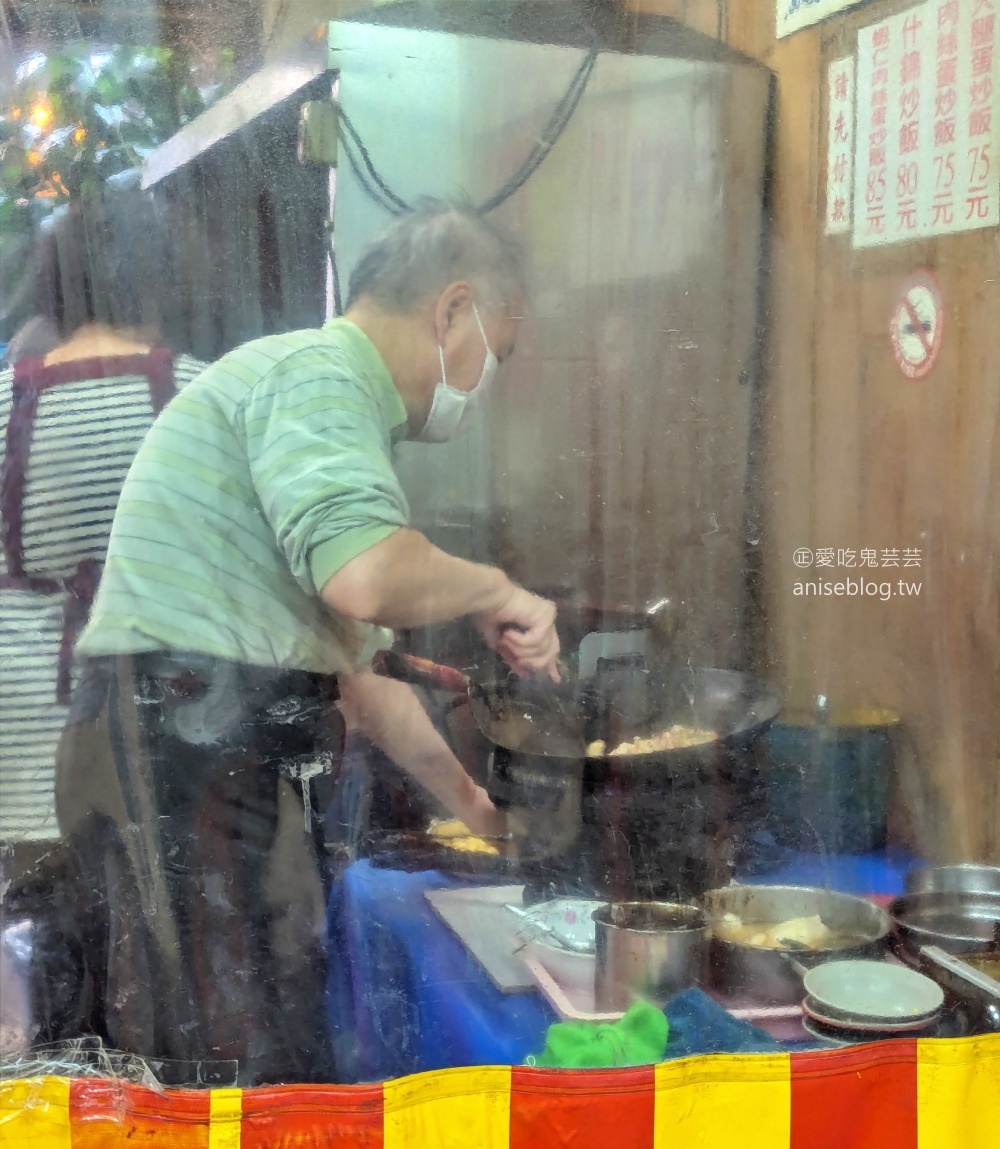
[859, 456]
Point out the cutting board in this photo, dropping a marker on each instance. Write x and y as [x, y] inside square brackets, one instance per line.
[488, 931]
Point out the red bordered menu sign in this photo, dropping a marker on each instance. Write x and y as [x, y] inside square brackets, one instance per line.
[928, 123]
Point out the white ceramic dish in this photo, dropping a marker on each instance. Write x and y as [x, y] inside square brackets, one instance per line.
[872, 991]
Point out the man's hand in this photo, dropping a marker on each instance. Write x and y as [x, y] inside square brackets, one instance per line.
[523, 633]
[480, 815]
[389, 714]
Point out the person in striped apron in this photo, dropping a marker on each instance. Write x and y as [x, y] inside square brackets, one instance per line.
[72, 420]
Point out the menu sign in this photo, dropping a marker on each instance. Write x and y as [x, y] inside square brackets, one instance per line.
[840, 145]
[928, 123]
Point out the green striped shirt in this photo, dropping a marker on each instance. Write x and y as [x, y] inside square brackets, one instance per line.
[259, 481]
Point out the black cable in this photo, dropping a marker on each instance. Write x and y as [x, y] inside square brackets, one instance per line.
[549, 137]
[366, 186]
[331, 254]
[376, 188]
[366, 159]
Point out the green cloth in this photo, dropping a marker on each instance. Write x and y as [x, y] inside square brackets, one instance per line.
[259, 481]
[638, 1039]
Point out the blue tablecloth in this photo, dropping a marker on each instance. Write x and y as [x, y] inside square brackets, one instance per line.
[404, 994]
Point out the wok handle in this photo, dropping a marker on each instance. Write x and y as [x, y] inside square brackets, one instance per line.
[797, 966]
[420, 672]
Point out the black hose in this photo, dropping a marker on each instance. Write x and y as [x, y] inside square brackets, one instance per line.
[550, 135]
[378, 190]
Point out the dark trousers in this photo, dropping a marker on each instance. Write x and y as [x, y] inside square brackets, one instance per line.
[201, 890]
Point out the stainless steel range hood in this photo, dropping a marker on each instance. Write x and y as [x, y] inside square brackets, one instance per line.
[615, 458]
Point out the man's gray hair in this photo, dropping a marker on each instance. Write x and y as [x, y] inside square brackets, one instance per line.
[436, 244]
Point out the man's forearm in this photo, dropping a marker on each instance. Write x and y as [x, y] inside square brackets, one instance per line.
[406, 581]
[389, 714]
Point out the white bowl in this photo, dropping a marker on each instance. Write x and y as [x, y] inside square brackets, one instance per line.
[568, 920]
[573, 972]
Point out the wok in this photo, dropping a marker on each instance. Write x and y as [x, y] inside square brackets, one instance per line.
[531, 717]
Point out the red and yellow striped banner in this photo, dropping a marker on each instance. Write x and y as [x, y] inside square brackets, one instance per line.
[929, 1094]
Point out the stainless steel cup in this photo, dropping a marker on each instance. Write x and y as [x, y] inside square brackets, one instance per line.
[648, 950]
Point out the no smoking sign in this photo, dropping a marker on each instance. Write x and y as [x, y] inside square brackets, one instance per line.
[917, 325]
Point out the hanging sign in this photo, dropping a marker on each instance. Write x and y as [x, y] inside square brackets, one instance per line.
[795, 14]
[928, 123]
[917, 325]
[839, 145]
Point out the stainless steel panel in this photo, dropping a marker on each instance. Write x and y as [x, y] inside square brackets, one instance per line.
[616, 449]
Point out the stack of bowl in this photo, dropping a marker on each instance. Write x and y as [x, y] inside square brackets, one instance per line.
[862, 1000]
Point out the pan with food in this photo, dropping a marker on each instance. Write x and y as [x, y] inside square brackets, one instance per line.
[448, 846]
[629, 717]
[633, 720]
[757, 929]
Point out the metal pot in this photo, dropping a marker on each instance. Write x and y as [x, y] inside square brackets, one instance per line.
[862, 930]
[648, 950]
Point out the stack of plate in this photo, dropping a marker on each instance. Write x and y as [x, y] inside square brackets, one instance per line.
[862, 1000]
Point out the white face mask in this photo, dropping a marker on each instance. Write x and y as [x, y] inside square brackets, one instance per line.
[453, 412]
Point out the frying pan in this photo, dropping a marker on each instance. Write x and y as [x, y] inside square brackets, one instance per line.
[978, 992]
[417, 850]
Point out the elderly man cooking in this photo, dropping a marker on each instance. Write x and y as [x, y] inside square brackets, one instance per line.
[260, 546]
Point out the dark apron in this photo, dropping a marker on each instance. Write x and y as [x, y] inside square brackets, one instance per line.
[179, 790]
